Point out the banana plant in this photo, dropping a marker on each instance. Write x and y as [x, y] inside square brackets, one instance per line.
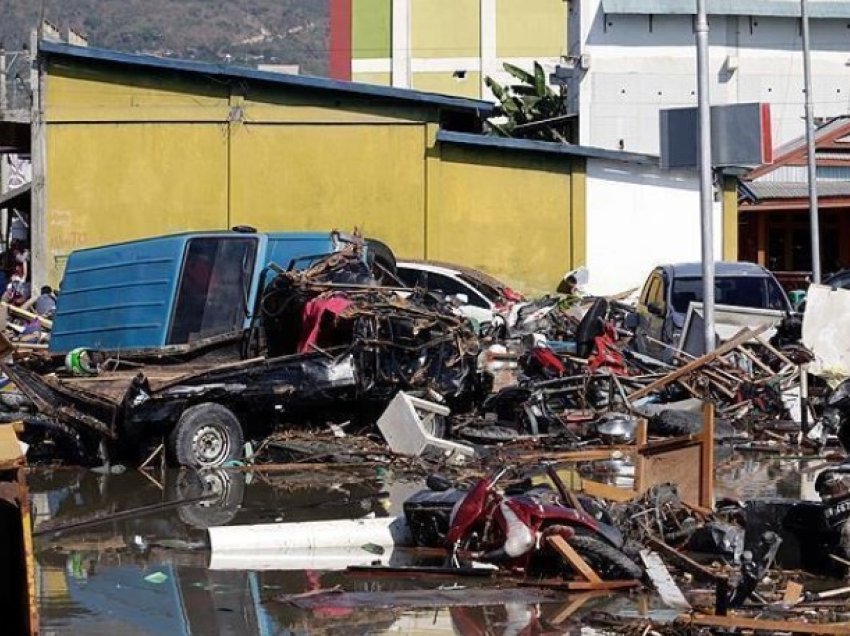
[528, 108]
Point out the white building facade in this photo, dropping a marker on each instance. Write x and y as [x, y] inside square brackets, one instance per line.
[630, 58]
[638, 217]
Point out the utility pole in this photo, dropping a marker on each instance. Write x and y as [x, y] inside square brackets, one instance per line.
[810, 145]
[706, 183]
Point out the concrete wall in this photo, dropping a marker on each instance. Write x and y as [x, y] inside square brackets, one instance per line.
[638, 64]
[639, 217]
[133, 153]
[450, 46]
[507, 213]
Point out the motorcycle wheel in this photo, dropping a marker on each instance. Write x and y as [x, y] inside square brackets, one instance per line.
[607, 560]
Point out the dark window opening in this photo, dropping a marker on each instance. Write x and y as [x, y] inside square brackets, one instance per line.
[212, 298]
[741, 291]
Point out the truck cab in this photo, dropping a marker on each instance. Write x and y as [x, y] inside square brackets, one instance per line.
[178, 293]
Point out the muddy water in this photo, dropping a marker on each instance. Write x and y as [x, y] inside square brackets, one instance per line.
[149, 574]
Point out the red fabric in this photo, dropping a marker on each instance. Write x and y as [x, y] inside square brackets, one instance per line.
[605, 353]
[311, 319]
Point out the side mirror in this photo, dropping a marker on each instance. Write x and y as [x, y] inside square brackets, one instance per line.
[631, 321]
[655, 309]
[463, 299]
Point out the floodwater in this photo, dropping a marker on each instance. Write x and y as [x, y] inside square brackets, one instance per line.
[150, 574]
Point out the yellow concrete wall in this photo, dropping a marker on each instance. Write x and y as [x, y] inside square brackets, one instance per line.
[303, 177]
[445, 28]
[114, 182]
[730, 219]
[506, 213]
[447, 84]
[82, 93]
[531, 28]
[128, 157]
[382, 79]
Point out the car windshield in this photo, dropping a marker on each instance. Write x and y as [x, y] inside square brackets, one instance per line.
[490, 293]
[739, 291]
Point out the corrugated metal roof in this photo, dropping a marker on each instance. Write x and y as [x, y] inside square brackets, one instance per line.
[779, 8]
[282, 79]
[549, 147]
[833, 155]
[762, 190]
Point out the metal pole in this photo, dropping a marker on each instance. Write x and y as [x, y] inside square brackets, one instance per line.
[2, 80]
[810, 146]
[706, 185]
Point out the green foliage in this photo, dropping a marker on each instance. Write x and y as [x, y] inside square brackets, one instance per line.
[249, 31]
[529, 101]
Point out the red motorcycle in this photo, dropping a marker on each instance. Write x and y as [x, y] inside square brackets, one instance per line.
[510, 529]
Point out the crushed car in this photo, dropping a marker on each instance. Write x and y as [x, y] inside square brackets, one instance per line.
[203, 340]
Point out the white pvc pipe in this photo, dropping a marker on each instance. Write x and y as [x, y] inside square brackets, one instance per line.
[281, 538]
[325, 559]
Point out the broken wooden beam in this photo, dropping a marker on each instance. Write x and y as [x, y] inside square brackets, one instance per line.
[764, 625]
[742, 336]
[574, 559]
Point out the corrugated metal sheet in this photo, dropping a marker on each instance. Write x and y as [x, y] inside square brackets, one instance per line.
[779, 8]
[799, 174]
[772, 190]
[833, 156]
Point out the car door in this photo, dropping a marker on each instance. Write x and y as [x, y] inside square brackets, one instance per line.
[651, 311]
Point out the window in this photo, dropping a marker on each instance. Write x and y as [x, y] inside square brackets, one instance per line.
[739, 291]
[441, 283]
[490, 293]
[448, 286]
[214, 288]
[655, 293]
[412, 277]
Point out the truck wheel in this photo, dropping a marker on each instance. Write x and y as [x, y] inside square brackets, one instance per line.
[206, 435]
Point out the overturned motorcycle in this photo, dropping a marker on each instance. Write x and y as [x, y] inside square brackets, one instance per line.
[512, 528]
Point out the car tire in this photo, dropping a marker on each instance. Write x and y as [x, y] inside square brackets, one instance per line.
[207, 435]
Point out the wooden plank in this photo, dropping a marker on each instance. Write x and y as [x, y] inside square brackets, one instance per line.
[606, 491]
[23, 313]
[663, 582]
[765, 625]
[574, 559]
[706, 465]
[29, 553]
[793, 593]
[756, 360]
[680, 467]
[580, 586]
[742, 336]
[11, 455]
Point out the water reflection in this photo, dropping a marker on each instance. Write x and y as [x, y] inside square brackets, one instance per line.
[150, 574]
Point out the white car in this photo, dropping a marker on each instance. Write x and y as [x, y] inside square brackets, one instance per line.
[480, 296]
